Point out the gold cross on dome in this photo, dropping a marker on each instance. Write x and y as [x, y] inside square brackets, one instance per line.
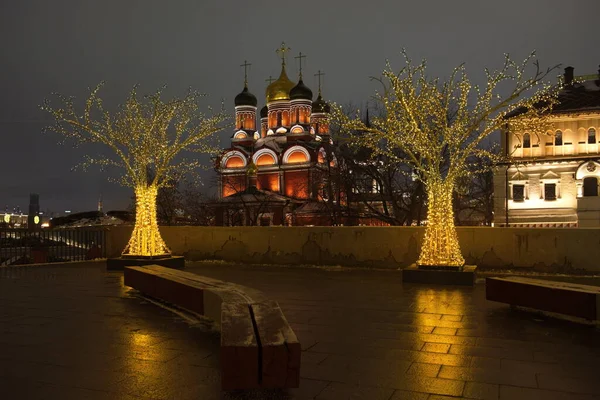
[281, 52]
[245, 65]
[299, 57]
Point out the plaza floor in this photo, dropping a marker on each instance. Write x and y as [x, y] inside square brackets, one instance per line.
[75, 332]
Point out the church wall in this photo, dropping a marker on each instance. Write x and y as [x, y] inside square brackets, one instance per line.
[268, 181]
[233, 184]
[296, 184]
[551, 249]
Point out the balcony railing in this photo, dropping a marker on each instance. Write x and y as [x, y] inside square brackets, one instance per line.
[22, 246]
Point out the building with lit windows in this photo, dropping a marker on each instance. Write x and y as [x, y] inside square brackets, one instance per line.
[553, 179]
[272, 171]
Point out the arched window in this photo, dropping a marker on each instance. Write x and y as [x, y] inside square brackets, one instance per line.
[297, 157]
[591, 135]
[297, 129]
[278, 118]
[558, 138]
[234, 162]
[296, 154]
[265, 159]
[527, 140]
[590, 186]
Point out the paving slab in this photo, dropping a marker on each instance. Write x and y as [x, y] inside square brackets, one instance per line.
[76, 332]
[366, 333]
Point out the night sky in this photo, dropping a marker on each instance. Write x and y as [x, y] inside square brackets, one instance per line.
[68, 45]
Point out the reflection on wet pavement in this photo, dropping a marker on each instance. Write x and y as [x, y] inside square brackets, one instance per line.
[75, 332]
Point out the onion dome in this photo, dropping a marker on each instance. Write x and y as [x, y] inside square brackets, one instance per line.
[245, 98]
[264, 112]
[320, 105]
[300, 91]
[280, 89]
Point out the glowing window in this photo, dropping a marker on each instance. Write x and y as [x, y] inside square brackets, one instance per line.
[297, 157]
[591, 135]
[234, 162]
[526, 140]
[297, 129]
[558, 138]
[265, 159]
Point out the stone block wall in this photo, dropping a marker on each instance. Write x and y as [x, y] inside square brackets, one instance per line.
[549, 249]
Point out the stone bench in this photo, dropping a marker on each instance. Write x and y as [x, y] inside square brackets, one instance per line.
[258, 347]
[572, 299]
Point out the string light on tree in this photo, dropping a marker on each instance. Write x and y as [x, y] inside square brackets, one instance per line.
[435, 128]
[147, 139]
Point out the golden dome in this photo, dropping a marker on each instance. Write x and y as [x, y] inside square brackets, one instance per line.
[280, 89]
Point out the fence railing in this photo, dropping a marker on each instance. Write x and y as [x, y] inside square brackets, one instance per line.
[22, 246]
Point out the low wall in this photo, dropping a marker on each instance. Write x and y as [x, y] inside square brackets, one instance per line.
[552, 250]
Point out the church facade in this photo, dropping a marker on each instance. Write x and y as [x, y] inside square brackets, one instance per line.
[273, 171]
[552, 180]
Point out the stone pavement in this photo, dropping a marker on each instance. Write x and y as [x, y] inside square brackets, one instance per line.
[74, 332]
[365, 335]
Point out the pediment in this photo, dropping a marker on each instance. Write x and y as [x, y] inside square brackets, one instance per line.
[518, 176]
[550, 175]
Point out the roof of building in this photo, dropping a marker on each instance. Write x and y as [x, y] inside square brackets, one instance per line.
[301, 91]
[320, 105]
[245, 98]
[280, 89]
[254, 195]
[311, 207]
[579, 96]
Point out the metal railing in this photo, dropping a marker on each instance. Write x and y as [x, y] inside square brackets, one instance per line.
[22, 246]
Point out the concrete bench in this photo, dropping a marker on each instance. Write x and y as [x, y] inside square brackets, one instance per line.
[258, 347]
[559, 297]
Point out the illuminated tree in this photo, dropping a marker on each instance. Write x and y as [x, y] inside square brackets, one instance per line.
[146, 139]
[436, 128]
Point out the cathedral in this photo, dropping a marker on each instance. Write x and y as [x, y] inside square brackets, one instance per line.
[275, 173]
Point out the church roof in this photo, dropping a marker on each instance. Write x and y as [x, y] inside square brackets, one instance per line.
[320, 105]
[301, 91]
[254, 195]
[245, 98]
[280, 89]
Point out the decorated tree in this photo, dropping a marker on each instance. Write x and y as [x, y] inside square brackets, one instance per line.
[146, 139]
[436, 129]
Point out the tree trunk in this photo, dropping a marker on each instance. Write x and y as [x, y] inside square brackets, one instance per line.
[440, 246]
[145, 239]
